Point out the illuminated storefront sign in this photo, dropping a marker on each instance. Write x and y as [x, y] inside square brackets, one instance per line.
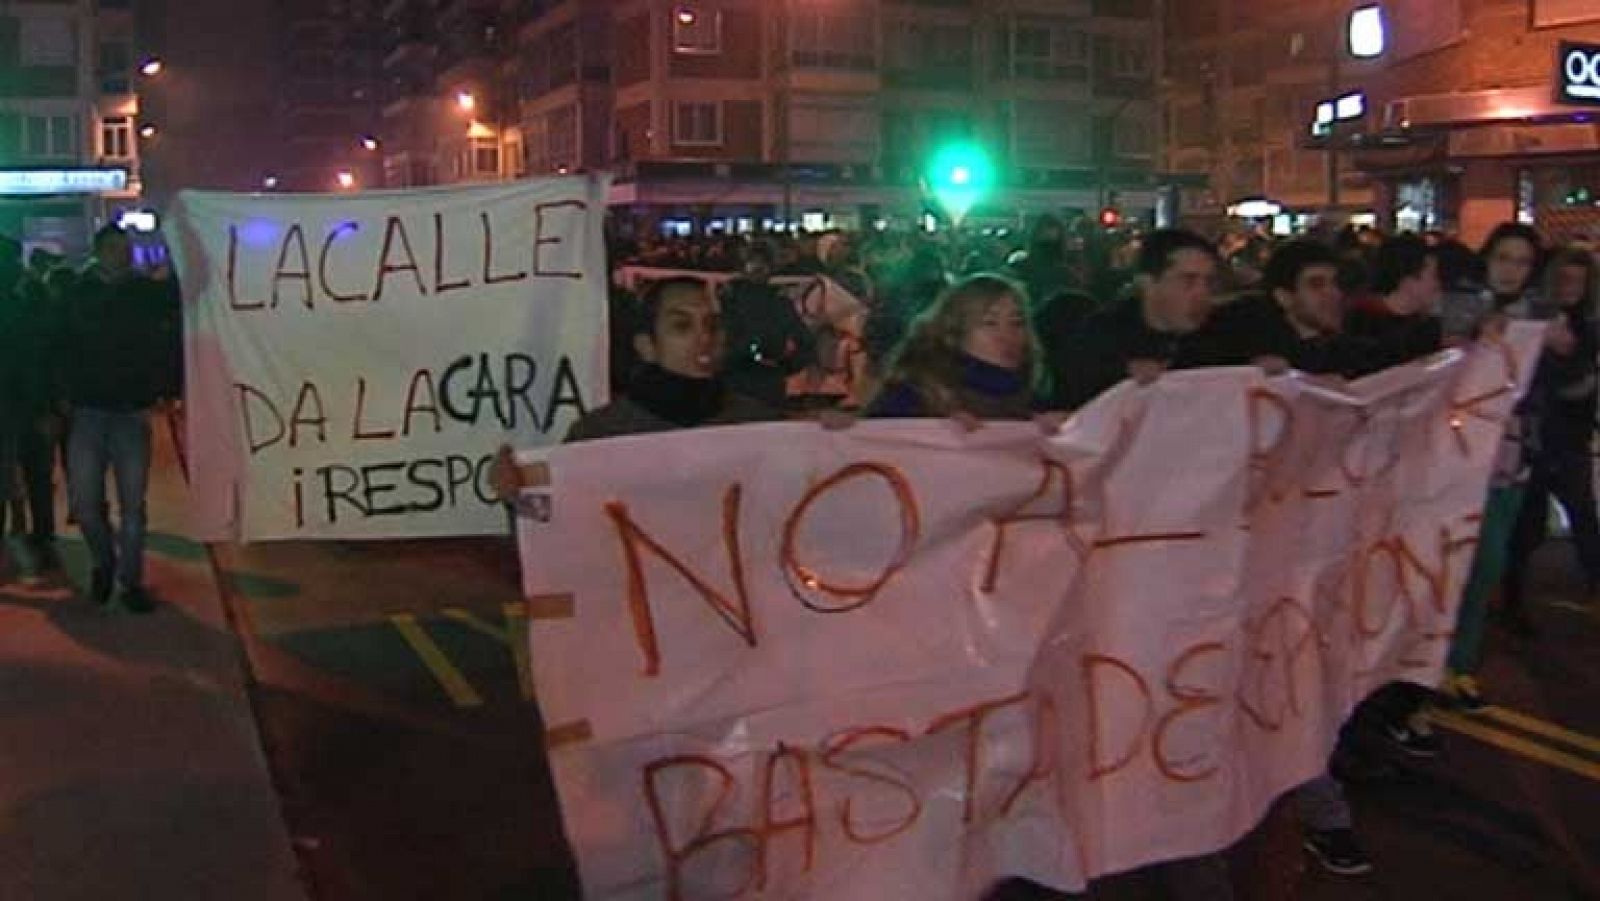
[24, 182]
[1578, 74]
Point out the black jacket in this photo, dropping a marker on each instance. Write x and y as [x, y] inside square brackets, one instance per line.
[1561, 398]
[1098, 356]
[1396, 339]
[122, 346]
[1257, 326]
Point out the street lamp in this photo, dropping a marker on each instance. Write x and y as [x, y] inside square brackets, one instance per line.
[347, 179]
[369, 142]
[147, 131]
[152, 67]
[1366, 33]
[466, 102]
[959, 176]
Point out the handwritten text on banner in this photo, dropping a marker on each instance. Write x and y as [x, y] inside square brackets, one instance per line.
[895, 662]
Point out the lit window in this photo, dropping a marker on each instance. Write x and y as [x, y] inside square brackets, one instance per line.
[116, 138]
[696, 30]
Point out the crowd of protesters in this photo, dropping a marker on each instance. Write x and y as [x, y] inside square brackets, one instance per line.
[86, 353]
[967, 327]
[976, 329]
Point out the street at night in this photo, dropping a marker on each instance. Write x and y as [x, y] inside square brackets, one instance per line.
[819, 450]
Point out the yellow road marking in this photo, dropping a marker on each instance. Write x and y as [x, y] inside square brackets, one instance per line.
[444, 672]
[512, 636]
[517, 629]
[477, 624]
[1547, 729]
[1517, 745]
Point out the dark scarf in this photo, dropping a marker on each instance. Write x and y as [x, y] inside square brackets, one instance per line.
[993, 392]
[678, 399]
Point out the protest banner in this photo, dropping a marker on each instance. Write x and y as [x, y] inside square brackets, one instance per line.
[354, 360]
[902, 662]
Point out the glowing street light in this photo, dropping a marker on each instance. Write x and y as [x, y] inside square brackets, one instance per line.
[152, 67]
[369, 142]
[1367, 32]
[685, 16]
[147, 131]
[959, 176]
[270, 182]
[347, 180]
[466, 102]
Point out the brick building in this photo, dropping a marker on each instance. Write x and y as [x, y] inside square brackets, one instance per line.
[1460, 127]
[1242, 81]
[1467, 126]
[727, 113]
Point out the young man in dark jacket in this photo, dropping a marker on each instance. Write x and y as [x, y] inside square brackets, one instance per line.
[1158, 327]
[1297, 321]
[123, 358]
[1400, 316]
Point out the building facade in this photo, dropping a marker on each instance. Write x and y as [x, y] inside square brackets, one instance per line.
[1242, 83]
[1466, 126]
[1457, 126]
[66, 113]
[745, 114]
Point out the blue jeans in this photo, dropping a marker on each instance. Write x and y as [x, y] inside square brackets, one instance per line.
[119, 441]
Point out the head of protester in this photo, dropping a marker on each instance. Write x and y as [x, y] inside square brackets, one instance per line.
[678, 336]
[1303, 279]
[1572, 282]
[1176, 280]
[1512, 257]
[1400, 317]
[1405, 275]
[973, 352]
[758, 264]
[113, 254]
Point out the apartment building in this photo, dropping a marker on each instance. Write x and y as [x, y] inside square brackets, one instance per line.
[739, 114]
[1242, 83]
[53, 189]
[1454, 117]
[1470, 121]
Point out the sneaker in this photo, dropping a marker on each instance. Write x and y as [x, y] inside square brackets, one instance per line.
[100, 587]
[137, 600]
[1338, 851]
[1414, 737]
[1464, 691]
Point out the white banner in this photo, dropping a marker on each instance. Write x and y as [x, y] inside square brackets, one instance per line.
[354, 360]
[898, 662]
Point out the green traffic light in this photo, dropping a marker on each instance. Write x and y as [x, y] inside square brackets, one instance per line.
[959, 175]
